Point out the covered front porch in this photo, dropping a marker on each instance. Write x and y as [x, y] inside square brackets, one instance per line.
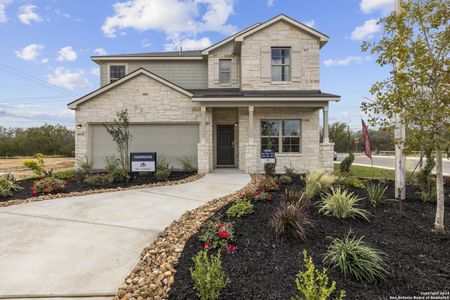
[232, 135]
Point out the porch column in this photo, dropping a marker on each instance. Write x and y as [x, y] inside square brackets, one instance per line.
[251, 130]
[203, 125]
[326, 140]
[250, 149]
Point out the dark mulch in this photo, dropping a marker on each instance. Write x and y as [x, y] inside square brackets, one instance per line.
[265, 268]
[77, 186]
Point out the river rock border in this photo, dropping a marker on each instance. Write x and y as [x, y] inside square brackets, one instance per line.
[98, 191]
[153, 275]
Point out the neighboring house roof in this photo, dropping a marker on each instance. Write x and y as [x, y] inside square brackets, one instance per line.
[236, 94]
[73, 104]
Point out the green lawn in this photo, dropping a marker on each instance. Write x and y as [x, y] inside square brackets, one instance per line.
[369, 172]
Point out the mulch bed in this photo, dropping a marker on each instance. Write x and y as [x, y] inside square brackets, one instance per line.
[265, 268]
[76, 188]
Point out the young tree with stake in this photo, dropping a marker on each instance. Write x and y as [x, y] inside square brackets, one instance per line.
[418, 40]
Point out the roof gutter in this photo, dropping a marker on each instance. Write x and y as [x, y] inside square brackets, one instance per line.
[264, 99]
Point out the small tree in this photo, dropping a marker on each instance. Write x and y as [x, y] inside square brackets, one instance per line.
[120, 133]
[417, 40]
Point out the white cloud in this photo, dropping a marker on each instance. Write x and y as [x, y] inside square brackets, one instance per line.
[100, 51]
[345, 61]
[27, 14]
[68, 79]
[366, 31]
[178, 19]
[66, 54]
[145, 43]
[44, 60]
[95, 72]
[368, 6]
[270, 3]
[30, 52]
[189, 44]
[66, 15]
[3, 16]
[310, 23]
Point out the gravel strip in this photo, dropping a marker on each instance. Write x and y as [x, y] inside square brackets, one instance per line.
[153, 275]
[98, 191]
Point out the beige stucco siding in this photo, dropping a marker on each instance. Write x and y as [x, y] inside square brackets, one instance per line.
[147, 100]
[256, 58]
[187, 74]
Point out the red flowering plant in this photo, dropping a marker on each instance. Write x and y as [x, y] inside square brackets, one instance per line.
[261, 195]
[268, 184]
[216, 235]
[48, 185]
[247, 195]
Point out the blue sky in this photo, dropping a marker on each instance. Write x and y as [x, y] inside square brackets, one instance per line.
[45, 46]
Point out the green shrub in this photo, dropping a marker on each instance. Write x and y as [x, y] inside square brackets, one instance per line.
[162, 174]
[240, 208]
[99, 180]
[216, 235]
[291, 220]
[65, 175]
[37, 165]
[48, 185]
[208, 276]
[269, 169]
[342, 204]
[350, 181]
[119, 175]
[290, 172]
[317, 181]
[83, 167]
[112, 163]
[7, 186]
[187, 164]
[285, 179]
[426, 181]
[375, 193]
[312, 284]
[353, 257]
[346, 164]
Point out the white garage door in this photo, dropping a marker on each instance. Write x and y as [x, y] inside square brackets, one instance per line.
[172, 141]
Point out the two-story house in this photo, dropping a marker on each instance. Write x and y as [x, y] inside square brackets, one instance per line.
[220, 106]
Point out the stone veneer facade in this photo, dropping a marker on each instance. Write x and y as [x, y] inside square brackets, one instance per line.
[150, 101]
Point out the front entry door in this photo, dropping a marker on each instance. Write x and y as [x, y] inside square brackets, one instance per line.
[225, 145]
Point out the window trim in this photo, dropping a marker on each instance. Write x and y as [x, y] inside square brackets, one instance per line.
[281, 65]
[220, 71]
[109, 70]
[280, 135]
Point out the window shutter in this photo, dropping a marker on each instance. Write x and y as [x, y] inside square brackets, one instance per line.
[266, 65]
[297, 67]
[215, 70]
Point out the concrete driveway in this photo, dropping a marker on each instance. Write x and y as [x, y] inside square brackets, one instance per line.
[86, 245]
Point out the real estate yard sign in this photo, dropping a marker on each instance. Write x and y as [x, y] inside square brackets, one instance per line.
[143, 161]
[268, 156]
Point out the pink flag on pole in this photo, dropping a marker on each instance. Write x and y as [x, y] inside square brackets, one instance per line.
[367, 149]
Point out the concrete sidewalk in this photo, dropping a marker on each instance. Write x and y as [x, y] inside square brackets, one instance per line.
[88, 244]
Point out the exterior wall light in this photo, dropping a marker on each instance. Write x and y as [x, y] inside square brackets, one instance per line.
[79, 126]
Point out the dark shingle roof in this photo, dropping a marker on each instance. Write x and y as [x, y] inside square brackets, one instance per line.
[211, 93]
[189, 53]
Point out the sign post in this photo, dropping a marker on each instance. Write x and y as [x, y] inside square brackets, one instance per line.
[142, 162]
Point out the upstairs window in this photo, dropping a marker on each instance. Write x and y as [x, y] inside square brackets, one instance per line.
[281, 64]
[225, 71]
[116, 72]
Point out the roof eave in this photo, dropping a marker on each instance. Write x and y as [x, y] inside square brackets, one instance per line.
[265, 99]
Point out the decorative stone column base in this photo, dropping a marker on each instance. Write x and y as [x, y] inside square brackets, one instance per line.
[250, 158]
[203, 158]
[326, 156]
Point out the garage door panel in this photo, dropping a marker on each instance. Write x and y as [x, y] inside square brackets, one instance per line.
[172, 141]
